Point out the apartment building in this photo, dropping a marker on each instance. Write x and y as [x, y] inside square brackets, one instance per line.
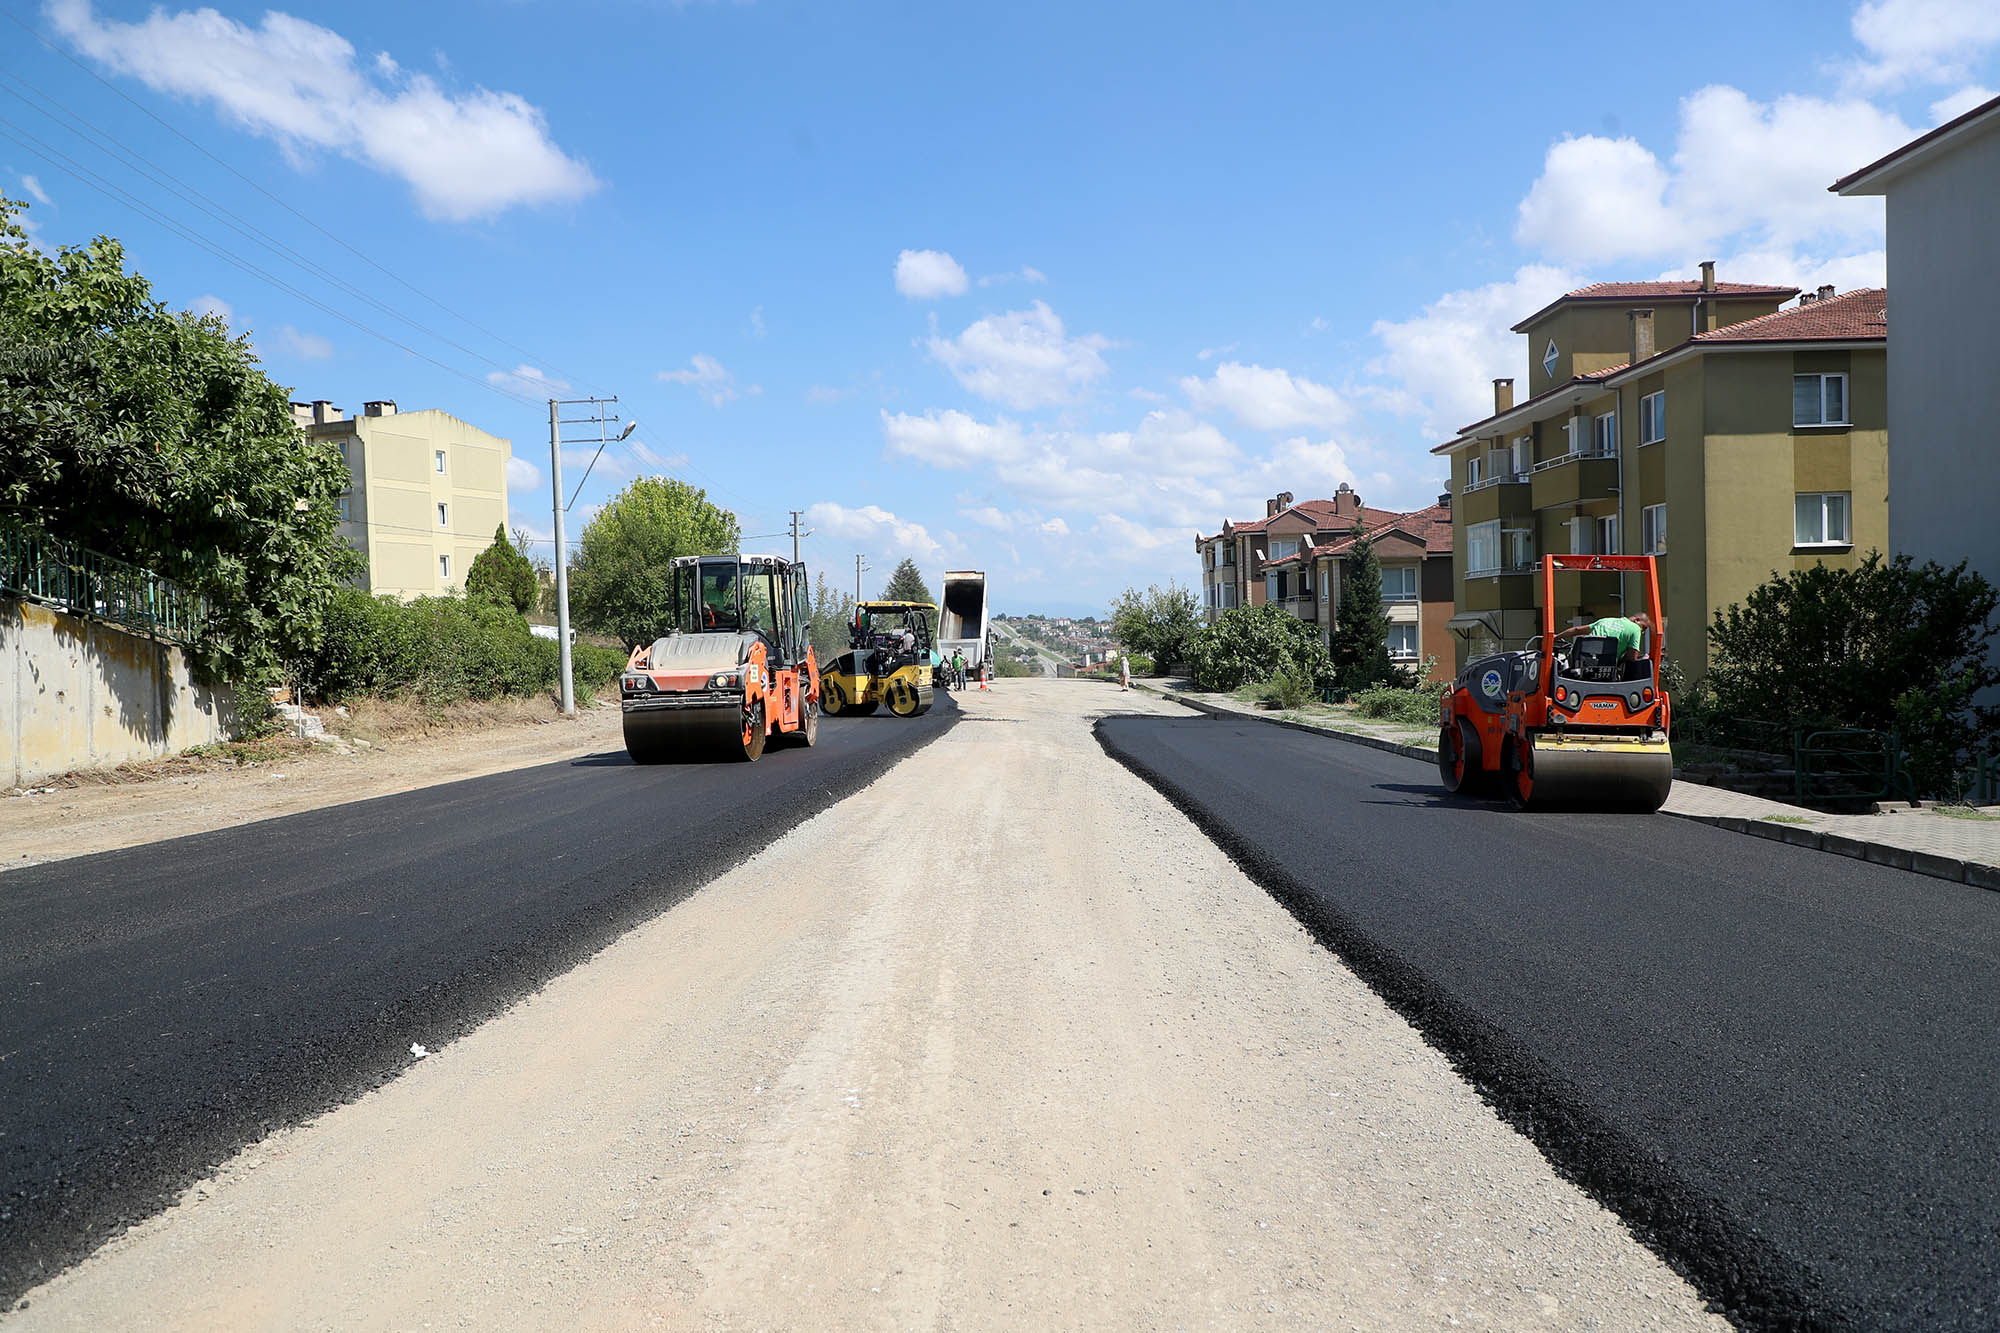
[1295, 556]
[1758, 427]
[426, 492]
[1942, 192]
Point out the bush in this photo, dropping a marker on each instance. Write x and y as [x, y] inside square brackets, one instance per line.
[437, 649]
[1157, 625]
[592, 667]
[1418, 707]
[1255, 643]
[1284, 688]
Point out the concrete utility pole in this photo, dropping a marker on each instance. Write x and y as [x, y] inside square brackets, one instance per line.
[859, 568]
[797, 514]
[603, 437]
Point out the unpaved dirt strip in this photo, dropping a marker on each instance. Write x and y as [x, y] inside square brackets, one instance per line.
[1000, 1040]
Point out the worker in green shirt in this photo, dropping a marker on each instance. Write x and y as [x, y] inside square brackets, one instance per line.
[1630, 633]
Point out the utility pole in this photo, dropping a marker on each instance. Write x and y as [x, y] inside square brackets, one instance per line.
[859, 569]
[599, 419]
[797, 514]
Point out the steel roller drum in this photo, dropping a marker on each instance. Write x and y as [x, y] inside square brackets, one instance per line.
[1601, 772]
[655, 735]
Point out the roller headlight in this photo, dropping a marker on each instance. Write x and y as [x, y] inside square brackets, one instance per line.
[725, 680]
[1636, 700]
[636, 684]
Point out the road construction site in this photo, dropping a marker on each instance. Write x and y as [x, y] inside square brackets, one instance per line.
[1059, 1005]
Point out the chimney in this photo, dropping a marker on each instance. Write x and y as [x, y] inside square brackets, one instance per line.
[324, 411]
[1346, 504]
[1708, 275]
[1270, 508]
[1444, 500]
[1284, 499]
[1826, 292]
[381, 407]
[1503, 396]
[1642, 334]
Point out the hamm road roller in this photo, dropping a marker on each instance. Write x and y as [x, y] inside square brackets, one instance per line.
[889, 661]
[735, 668]
[1574, 719]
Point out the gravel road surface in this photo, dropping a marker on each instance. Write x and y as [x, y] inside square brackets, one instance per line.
[1778, 1065]
[1000, 1040]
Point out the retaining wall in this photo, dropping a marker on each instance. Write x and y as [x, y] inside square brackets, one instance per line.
[77, 693]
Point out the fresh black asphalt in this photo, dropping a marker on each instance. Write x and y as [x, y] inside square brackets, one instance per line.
[162, 1006]
[1780, 1067]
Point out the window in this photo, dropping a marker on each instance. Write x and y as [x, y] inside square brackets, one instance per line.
[1573, 435]
[1518, 547]
[1819, 400]
[438, 457]
[1524, 455]
[1607, 535]
[1399, 583]
[1499, 463]
[1403, 642]
[1284, 546]
[1482, 547]
[1607, 433]
[342, 503]
[1820, 519]
[1475, 470]
[1580, 531]
[1653, 529]
[1653, 417]
[444, 516]
[444, 567]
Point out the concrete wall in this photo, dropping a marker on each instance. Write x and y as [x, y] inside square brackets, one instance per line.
[76, 693]
[1944, 395]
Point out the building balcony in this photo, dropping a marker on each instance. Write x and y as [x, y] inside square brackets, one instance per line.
[1498, 589]
[1502, 497]
[1575, 479]
[1575, 588]
[1303, 606]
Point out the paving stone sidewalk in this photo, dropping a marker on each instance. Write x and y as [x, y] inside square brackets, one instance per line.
[1956, 848]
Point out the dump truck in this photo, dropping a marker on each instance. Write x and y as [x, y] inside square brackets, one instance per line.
[876, 669]
[962, 625]
[735, 668]
[1574, 724]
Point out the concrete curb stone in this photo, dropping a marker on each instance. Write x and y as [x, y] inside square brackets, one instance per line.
[1975, 873]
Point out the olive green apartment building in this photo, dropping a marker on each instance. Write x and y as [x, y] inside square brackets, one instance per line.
[1721, 426]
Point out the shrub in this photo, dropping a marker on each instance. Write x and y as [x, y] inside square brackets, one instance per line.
[1417, 707]
[1284, 688]
[1254, 643]
[436, 649]
[1157, 625]
[592, 666]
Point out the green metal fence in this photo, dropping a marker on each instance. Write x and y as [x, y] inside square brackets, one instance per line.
[56, 573]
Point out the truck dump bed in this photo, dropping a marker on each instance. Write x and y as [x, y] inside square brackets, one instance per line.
[962, 616]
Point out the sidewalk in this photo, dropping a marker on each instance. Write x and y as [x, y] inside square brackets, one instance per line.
[1966, 850]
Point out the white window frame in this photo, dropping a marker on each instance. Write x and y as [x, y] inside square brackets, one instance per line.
[1524, 455]
[1526, 538]
[1491, 531]
[1846, 538]
[1283, 546]
[437, 456]
[1573, 436]
[1408, 654]
[1581, 533]
[1846, 417]
[1604, 434]
[444, 568]
[1653, 417]
[342, 504]
[1607, 535]
[444, 516]
[1475, 469]
[1653, 529]
[1400, 571]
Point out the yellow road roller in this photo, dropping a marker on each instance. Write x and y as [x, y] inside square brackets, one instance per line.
[888, 661]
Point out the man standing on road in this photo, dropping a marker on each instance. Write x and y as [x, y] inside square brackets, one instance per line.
[958, 667]
[1124, 672]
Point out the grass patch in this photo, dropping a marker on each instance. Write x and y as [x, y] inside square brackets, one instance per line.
[1960, 812]
[1786, 819]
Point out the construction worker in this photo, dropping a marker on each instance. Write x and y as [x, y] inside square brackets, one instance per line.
[1630, 633]
[958, 667]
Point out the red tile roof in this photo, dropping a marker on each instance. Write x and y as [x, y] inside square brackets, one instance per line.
[1320, 513]
[1651, 291]
[1861, 313]
[1430, 526]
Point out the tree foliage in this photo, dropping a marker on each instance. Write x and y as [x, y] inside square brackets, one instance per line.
[153, 436]
[1360, 636]
[907, 584]
[1247, 644]
[503, 574]
[1158, 623]
[620, 578]
[832, 617]
[1887, 645]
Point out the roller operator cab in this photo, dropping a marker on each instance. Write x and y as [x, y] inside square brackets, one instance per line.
[734, 668]
[1570, 724]
[889, 660]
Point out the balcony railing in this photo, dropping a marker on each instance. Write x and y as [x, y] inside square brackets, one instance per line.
[42, 569]
[1503, 479]
[1561, 459]
[1518, 567]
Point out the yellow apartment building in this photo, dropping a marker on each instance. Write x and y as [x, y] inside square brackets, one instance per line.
[1756, 429]
[425, 492]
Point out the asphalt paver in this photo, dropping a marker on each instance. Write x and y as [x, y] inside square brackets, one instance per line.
[1778, 1066]
[164, 1005]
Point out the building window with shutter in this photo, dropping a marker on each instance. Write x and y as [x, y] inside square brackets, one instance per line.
[1819, 400]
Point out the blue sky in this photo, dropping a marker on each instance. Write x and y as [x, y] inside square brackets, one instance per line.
[1039, 289]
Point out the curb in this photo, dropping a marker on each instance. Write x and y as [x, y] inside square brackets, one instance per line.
[1976, 873]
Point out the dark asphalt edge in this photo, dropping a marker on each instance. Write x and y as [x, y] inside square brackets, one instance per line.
[1958, 871]
[42, 1243]
[1732, 1267]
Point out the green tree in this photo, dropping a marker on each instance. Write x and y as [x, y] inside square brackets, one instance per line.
[1158, 623]
[152, 435]
[503, 574]
[1360, 639]
[1887, 645]
[1247, 644]
[832, 615]
[907, 584]
[620, 578]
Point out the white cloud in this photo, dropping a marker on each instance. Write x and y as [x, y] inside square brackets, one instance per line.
[989, 517]
[872, 523]
[925, 275]
[1210, 353]
[1439, 364]
[952, 438]
[304, 346]
[526, 379]
[1055, 527]
[1316, 325]
[706, 377]
[1960, 102]
[463, 156]
[1306, 468]
[1138, 537]
[825, 394]
[1023, 359]
[1023, 274]
[1265, 399]
[1739, 167]
[1920, 42]
[757, 322]
[36, 192]
[522, 476]
[213, 305]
